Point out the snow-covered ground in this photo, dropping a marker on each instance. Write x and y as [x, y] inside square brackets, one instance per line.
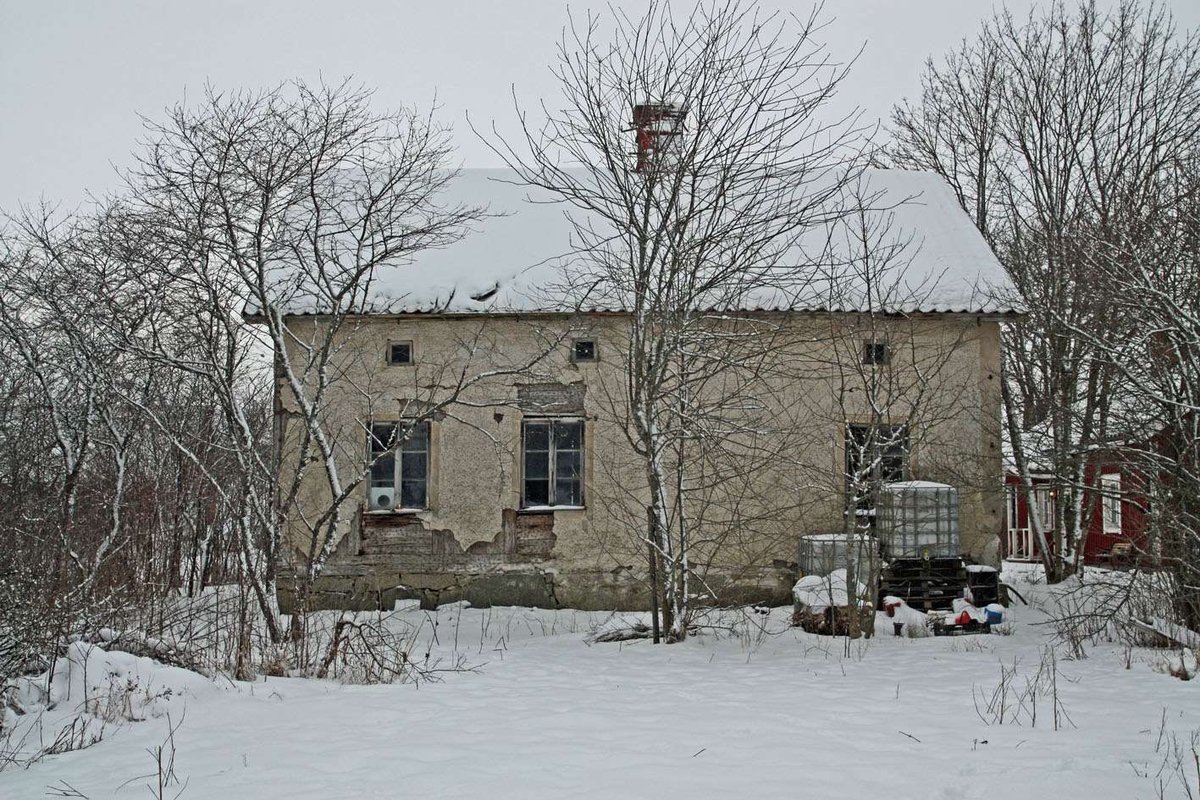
[756, 712]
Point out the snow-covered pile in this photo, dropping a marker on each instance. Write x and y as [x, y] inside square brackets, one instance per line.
[109, 685]
[1184, 665]
[819, 592]
[90, 688]
[621, 627]
[903, 613]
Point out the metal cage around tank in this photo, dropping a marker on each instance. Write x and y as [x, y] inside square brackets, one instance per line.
[918, 519]
[821, 554]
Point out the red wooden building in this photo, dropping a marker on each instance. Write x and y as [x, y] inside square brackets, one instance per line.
[1114, 513]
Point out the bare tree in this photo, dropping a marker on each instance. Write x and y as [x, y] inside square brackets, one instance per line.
[70, 472]
[1150, 269]
[277, 205]
[104, 520]
[192, 376]
[691, 226]
[1052, 130]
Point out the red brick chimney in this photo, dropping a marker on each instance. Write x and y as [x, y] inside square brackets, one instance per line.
[655, 125]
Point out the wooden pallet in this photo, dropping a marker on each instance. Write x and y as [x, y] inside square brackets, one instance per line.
[925, 584]
[985, 588]
[961, 629]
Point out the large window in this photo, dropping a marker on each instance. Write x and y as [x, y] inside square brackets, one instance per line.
[1044, 507]
[399, 465]
[875, 455]
[552, 463]
[1110, 485]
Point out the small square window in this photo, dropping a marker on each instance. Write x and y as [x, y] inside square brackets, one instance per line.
[400, 353]
[583, 350]
[876, 353]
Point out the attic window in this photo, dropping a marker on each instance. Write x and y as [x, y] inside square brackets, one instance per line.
[583, 350]
[399, 353]
[876, 353]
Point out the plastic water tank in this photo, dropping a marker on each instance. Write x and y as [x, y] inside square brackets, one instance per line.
[916, 519]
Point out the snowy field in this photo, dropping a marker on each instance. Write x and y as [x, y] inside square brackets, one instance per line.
[756, 709]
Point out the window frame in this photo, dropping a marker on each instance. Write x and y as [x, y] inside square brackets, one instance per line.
[1111, 513]
[1045, 505]
[397, 450]
[575, 359]
[876, 353]
[552, 463]
[412, 353]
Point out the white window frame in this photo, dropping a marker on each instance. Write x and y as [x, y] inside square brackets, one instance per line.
[1110, 502]
[1043, 505]
[397, 454]
[550, 422]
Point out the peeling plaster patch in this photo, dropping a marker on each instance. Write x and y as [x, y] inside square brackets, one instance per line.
[398, 556]
[551, 398]
[405, 543]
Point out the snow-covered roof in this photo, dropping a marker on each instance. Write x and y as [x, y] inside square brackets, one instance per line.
[514, 260]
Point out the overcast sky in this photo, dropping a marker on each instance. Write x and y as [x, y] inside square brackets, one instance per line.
[75, 75]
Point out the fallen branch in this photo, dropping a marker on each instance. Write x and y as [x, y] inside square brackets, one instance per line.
[1179, 634]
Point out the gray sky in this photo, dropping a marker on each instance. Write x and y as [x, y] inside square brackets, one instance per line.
[75, 75]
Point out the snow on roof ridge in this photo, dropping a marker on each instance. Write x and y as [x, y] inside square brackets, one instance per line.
[513, 262]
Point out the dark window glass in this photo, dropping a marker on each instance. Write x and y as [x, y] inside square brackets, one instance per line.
[415, 436]
[412, 483]
[400, 353]
[411, 444]
[537, 435]
[875, 455]
[568, 488]
[537, 463]
[553, 463]
[383, 462]
[875, 353]
[568, 435]
[414, 467]
[585, 350]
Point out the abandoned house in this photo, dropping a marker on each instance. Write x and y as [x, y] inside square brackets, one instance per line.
[525, 490]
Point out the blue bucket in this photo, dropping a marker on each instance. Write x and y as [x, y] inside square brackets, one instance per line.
[993, 616]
